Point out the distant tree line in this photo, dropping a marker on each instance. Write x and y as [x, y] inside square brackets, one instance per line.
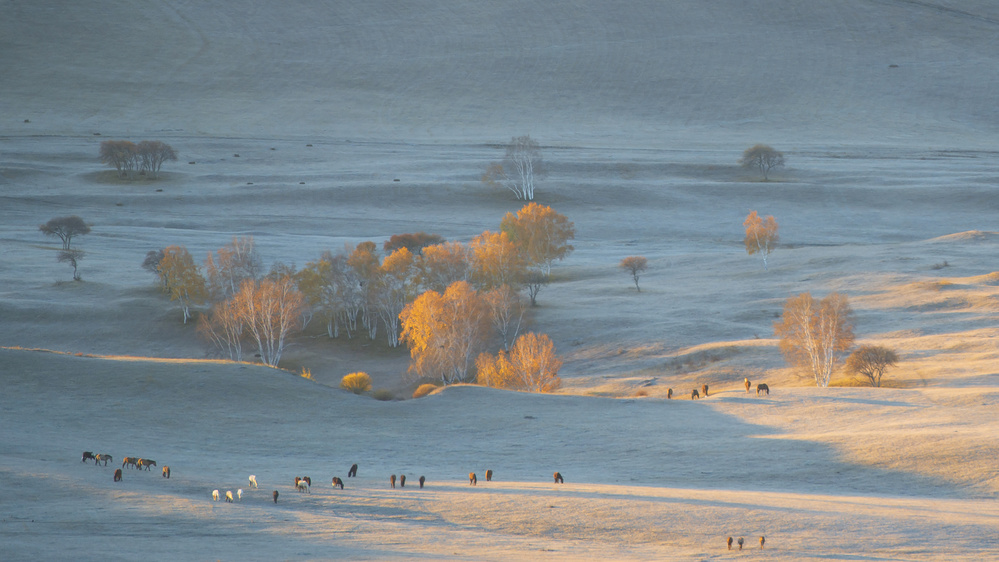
[129, 158]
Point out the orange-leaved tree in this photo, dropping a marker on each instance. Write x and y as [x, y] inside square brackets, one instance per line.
[761, 235]
[530, 365]
[496, 260]
[445, 331]
[814, 334]
[541, 234]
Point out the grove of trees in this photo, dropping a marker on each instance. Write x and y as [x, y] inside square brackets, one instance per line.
[814, 334]
[127, 157]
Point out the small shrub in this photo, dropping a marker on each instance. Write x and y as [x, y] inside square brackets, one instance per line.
[937, 266]
[356, 383]
[383, 394]
[306, 373]
[641, 392]
[423, 390]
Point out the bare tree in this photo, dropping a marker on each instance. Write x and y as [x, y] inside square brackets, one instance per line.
[871, 362]
[761, 235]
[234, 263]
[152, 154]
[521, 166]
[269, 311]
[763, 158]
[813, 335]
[224, 329]
[634, 265]
[65, 228]
[122, 154]
[534, 281]
[507, 312]
[72, 257]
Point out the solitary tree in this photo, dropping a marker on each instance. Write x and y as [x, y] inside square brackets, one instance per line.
[763, 158]
[634, 265]
[541, 235]
[520, 167]
[72, 257]
[871, 362]
[761, 235]
[530, 365]
[813, 335]
[65, 228]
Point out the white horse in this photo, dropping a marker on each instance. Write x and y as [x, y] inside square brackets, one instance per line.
[215, 495]
[239, 494]
[228, 496]
[253, 480]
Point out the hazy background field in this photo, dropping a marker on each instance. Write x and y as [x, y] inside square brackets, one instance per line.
[884, 110]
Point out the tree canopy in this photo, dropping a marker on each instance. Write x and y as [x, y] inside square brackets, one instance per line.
[66, 228]
[541, 235]
[762, 158]
[813, 334]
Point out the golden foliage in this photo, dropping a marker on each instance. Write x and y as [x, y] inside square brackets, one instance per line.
[424, 389]
[530, 365]
[496, 260]
[356, 382]
[814, 334]
[540, 234]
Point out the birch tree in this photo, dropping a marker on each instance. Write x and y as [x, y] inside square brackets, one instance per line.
[233, 264]
[394, 289]
[445, 332]
[635, 265]
[506, 311]
[269, 311]
[521, 167]
[181, 278]
[496, 260]
[442, 264]
[540, 234]
[761, 235]
[531, 365]
[814, 334]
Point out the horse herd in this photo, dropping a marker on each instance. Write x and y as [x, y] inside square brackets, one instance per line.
[761, 388]
[137, 463]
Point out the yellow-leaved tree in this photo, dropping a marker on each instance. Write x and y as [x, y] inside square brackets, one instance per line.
[181, 278]
[540, 234]
[530, 365]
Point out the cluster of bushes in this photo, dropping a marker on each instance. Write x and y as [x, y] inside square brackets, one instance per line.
[128, 157]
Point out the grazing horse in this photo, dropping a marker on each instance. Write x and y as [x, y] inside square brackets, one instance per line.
[704, 390]
[275, 496]
[489, 475]
[87, 456]
[402, 480]
[353, 471]
[144, 463]
[472, 479]
[117, 475]
[762, 387]
[423, 479]
[239, 494]
[392, 480]
[337, 482]
[103, 457]
[228, 496]
[762, 540]
[253, 480]
[166, 472]
[302, 486]
[730, 543]
[694, 395]
[129, 461]
[558, 478]
[747, 383]
[215, 495]
[740, 541]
